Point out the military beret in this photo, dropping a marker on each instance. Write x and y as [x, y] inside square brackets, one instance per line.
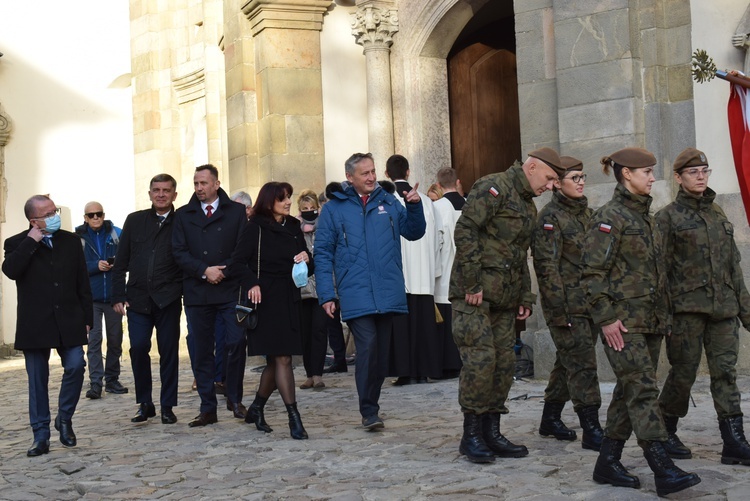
[633, 158]
[690, 157]
[571, 163]
[551, 158]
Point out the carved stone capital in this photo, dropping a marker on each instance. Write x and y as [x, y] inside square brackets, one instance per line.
[373, 27]
[286, 14]
[6, 126]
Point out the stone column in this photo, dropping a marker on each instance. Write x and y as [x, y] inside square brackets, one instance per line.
[289, 90]
[373, 27]
[6, 126]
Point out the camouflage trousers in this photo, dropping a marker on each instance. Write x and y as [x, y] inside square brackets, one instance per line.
[635, 405]
[574, 376]
[720, 338]
[485, 339]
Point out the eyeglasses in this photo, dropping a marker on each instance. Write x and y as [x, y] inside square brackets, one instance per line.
[49, 214]
[696, 171]
[577, 178]
[92, 215]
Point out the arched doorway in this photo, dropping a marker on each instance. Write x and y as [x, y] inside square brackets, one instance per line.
[483, 96]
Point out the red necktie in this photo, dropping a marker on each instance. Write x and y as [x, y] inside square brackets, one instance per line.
[364, 199]
[209, 210]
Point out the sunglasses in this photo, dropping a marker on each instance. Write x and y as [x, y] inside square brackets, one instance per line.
[91, 215]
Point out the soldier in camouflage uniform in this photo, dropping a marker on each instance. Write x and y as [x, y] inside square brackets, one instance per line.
[625, 283]
[490, 288]
[557, 246]
[708, 296]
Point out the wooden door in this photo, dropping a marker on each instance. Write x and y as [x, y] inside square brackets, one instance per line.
[485, 128]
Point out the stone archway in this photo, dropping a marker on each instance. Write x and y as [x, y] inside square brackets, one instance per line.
[420, 93]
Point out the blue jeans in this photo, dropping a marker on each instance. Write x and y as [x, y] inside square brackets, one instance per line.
[372, 339]
[140, 328]
[37, 369]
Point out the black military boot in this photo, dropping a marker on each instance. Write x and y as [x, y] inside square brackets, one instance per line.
[472, 444]
[500, 446]
[674, 446]
[667, 476]
[736, 449]
[552, 424]
[592, 430]
[609, 469]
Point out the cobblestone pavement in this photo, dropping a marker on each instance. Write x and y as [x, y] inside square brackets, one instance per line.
[415, 457]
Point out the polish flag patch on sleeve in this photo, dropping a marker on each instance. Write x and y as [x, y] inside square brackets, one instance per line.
[493, 191]
[548, 227]
[605, 228]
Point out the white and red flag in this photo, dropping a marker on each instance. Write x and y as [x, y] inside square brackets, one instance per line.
[738, 111]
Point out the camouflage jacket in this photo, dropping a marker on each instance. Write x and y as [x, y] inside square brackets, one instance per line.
[557, 246]
[703, 262]
[623, 272]
[492, 238]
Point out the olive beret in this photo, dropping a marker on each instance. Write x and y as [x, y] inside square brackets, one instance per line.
[551, 158]
[571, 163]
[690, 157]
[633, 158]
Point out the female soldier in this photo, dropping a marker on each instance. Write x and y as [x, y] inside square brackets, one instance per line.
[557, 244]
[708, 295]
[624, 280]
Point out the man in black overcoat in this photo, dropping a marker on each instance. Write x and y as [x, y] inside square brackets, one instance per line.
[151, 297]
[206, 231]
[55, 310]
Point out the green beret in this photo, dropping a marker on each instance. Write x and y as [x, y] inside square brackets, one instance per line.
[571, 163]
[633, 158]
[690, 157]
[551, 158]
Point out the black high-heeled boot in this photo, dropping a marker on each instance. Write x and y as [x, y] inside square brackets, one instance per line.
[255, 414]
[295, 422]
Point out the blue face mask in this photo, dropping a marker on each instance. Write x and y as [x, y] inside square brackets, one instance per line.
[52, 223]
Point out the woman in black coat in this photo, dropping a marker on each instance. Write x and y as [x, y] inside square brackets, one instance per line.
[270, 245]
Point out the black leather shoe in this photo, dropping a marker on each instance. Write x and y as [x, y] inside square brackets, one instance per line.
[238, 410]
[67, 436]
[145, 411]
[337, 367]
[167, 416]
[38, 448]
[115, 387]
[203, 419]
[95, 392]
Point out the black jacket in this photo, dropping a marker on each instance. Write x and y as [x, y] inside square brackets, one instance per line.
[54, 294]
[145, 253]
[199, 242]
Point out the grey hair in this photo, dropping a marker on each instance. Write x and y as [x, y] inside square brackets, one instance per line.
[352, 161]
[31, 203]
[243, 198]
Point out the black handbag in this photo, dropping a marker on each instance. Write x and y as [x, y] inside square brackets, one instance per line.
[245, 312]
[247, 316]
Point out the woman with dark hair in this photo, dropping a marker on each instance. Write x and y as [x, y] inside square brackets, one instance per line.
[270, 245]
[624, 278]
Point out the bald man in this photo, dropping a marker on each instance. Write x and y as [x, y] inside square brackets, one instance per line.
[100, 238]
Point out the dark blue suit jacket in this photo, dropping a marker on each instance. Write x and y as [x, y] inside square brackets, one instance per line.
[199, 242]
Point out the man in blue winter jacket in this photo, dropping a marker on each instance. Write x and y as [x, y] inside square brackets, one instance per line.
[358, 260]
[100, 238]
